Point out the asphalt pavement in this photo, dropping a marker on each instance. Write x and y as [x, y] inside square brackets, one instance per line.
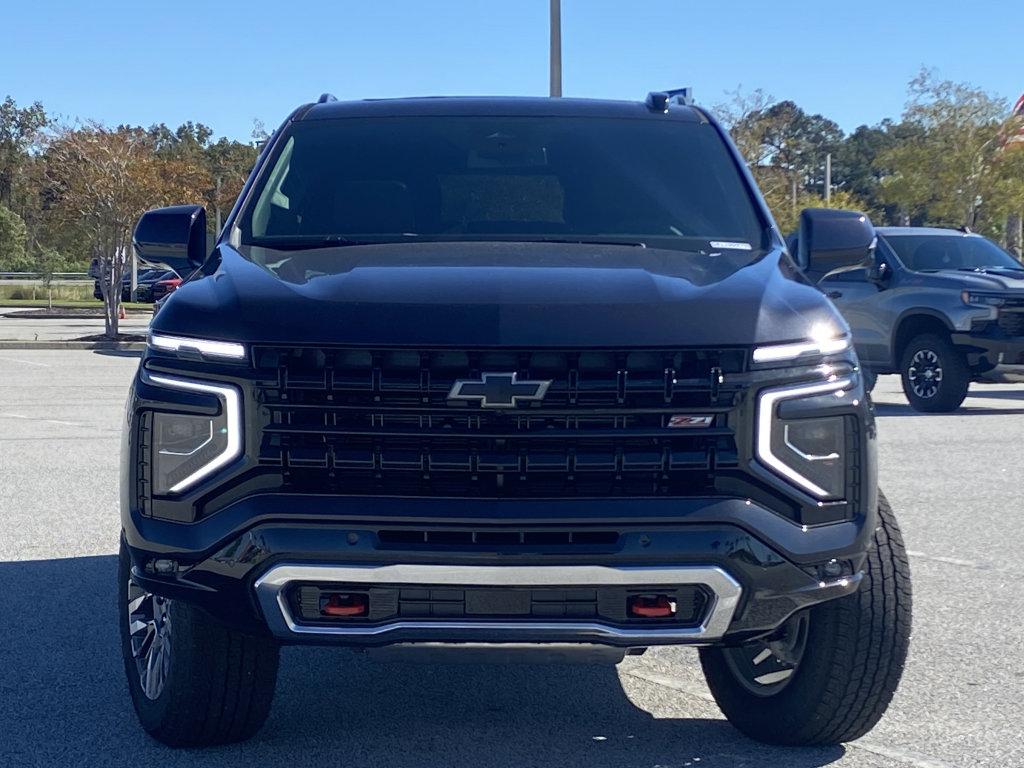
[16, 325]
[954, 481]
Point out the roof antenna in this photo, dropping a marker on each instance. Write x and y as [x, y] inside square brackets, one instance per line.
[326, 98]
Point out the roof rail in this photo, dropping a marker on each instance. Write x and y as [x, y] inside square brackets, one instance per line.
[325, 98]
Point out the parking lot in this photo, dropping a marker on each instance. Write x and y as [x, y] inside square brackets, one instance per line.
[953, 480]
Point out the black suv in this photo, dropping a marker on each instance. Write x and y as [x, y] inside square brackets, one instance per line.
[940, 307]
[144, 286]
[506, 376]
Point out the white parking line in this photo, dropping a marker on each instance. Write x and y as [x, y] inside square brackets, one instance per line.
[904, 756]
[25, 362]
[45, 421]
[948, 560]
[683, 686]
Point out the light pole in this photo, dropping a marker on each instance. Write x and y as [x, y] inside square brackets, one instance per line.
[556, 48]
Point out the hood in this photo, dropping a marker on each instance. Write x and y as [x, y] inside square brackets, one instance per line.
[499, 294]
[992, 281]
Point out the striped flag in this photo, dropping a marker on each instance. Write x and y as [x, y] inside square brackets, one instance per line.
[1015, 134]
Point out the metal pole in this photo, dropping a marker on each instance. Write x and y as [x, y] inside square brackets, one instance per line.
[556, 48]
[135, 273]
[828, 178]
[216, 206]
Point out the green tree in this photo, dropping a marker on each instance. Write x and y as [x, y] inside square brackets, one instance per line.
[48, 262]
[227, 163]
[857, 169]
[103, 180]
[19, 130]
[786, 150]
[12, 242]
[944, 171]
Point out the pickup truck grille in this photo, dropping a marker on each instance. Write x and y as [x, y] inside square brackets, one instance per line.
[1011, 319]
[379, 422]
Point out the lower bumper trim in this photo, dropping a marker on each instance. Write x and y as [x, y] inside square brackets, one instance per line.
[726, 591]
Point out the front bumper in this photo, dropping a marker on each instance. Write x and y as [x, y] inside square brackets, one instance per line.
[714, 623]
[1001, 355]
[756, 567]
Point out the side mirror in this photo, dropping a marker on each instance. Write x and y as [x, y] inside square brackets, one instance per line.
[174, 236]
[879, 272]
[831, 239]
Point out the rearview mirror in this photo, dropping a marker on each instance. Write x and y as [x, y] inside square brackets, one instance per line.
[830, 240]
[174, 236]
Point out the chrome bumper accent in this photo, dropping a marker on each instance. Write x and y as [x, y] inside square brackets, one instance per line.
[724, 588]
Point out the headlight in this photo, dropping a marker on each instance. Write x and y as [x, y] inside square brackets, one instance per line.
[203, 347]
[190, 447]
[808, 452]
[982, 299]
[823, 341]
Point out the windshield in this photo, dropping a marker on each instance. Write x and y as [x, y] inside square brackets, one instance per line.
[455, 178]
[930, 253]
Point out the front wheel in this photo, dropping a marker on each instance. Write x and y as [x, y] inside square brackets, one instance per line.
[935, 374]
[193, 682]
[828, 675]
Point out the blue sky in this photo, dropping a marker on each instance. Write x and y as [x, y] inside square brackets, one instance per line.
[225, 62]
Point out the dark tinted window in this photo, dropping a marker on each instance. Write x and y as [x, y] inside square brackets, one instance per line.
[928, 253]
[455, 178]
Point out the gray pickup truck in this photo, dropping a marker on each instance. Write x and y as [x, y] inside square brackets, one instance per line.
[940, 307]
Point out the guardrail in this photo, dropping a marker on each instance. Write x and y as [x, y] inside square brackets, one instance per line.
[63, 276]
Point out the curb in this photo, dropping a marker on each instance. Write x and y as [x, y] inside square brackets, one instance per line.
[127, 346]
[21, 314]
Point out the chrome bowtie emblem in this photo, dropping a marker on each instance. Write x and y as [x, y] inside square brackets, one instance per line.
[499, 390]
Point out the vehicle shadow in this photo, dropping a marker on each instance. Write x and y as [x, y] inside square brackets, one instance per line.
[902, 409]
[137, 353]
[63, 702]
[999, 394]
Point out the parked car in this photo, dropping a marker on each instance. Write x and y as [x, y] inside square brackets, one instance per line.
[144, 290]
[941, 307]
[144, 285]
[513, 376]
[164, 286]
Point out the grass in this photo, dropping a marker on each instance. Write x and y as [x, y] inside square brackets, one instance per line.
[77, 292]
[73, 304]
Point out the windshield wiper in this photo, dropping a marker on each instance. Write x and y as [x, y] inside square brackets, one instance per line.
[581, 240]
[316, 241]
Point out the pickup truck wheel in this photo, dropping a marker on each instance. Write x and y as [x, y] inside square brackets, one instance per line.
[193, 682]
[828, 676]
[935, 375]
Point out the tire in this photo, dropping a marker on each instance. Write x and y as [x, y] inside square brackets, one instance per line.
[852, 657]
[215, 686]
[935, 374]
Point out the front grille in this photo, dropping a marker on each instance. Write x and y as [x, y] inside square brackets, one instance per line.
[379, 422]
[1011, 322]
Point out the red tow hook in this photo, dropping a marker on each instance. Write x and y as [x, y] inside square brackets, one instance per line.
[341, 604]
[652, 607]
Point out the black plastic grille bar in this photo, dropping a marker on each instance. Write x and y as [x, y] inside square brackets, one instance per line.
[380, 421]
